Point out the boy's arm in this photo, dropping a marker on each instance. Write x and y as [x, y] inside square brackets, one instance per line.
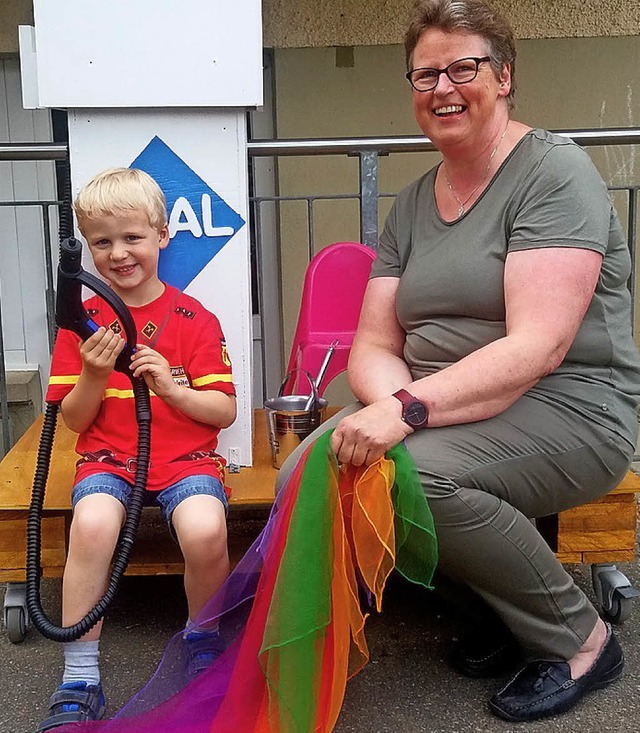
[206, 406]
[81, 405]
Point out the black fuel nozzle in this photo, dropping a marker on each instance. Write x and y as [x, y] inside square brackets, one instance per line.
[70, 311]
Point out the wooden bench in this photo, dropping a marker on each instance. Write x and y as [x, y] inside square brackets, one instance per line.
[603, 531]
[252, 488]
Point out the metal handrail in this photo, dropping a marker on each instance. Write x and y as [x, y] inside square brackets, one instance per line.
[413, 144]
[335, 146]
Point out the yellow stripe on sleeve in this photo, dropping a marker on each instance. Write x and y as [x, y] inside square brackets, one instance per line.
[67, 379]
[209, 378]
[120, 394]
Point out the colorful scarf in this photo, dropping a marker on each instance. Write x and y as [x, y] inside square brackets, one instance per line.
[290, 611]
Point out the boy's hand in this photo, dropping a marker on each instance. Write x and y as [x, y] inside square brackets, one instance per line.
[100, 351]
[154, 368]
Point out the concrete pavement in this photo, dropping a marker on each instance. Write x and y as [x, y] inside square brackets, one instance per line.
[407, 687]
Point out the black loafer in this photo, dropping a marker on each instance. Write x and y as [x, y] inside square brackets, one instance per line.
[545, 688]
[489, 655]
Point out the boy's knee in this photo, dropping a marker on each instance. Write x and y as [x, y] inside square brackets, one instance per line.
[204, 549]
[203, 537]
[94, 528]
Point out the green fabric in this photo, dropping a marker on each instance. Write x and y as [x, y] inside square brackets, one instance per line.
[300, 609]
[301, 605]
[416, 542]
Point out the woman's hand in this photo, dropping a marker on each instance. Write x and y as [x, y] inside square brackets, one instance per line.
[155, 370]
[362, 438]
[99, 353]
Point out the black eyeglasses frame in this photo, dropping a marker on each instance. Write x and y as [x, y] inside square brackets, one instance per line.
[477, 59]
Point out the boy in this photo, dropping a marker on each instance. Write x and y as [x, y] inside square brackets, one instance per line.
[182, 357]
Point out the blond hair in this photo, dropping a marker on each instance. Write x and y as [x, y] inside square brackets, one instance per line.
[121, 189]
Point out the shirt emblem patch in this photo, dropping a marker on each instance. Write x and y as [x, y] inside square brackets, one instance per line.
[224, 353]
[149, 329]
[179, 376]
[185, 312]
[115, 327]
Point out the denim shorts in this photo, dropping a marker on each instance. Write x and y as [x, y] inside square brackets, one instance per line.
[167, 499]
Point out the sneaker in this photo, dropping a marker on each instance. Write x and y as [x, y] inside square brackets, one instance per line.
[203, 647]
[74, 702]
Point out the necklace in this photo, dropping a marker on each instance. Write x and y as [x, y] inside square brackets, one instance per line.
[461, 204]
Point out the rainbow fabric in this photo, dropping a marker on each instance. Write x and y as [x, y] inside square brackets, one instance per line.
[290, 612]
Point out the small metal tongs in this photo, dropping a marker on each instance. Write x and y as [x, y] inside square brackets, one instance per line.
[321, 373]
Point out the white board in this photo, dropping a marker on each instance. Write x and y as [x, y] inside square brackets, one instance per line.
[200, 161]
[148, 53]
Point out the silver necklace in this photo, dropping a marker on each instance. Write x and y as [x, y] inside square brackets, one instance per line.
[461, 204]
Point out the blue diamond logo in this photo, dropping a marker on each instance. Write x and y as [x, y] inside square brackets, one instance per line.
[200, 222]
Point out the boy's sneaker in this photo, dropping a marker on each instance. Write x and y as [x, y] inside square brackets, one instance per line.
[74, 702]
[203, 647]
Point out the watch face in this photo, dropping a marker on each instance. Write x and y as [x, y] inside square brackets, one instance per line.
[415, 414]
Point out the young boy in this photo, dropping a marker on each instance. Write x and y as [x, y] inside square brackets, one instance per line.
[182, 357]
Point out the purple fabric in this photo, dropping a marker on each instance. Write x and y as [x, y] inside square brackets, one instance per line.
[172, 703]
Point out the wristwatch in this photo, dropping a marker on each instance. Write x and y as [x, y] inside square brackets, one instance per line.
[414, 412]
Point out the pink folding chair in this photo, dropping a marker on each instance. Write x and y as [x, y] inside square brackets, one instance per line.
[332, 295]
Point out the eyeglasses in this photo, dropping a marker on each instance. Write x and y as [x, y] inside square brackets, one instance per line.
[461, 71]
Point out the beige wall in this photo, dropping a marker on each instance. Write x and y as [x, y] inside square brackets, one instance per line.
[562, 84]
[303, 23]
[12, 14]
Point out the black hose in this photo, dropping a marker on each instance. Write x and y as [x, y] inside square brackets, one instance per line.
[72, 277]
[127, 535]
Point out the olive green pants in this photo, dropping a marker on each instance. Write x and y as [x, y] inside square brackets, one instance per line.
[484, 482]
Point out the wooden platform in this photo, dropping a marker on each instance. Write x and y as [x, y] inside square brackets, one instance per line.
[154, 552]
[602, 531]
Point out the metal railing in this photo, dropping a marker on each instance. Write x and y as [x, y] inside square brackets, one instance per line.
[367, 151]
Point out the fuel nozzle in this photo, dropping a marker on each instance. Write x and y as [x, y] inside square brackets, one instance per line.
[70, 312]
[70, 262]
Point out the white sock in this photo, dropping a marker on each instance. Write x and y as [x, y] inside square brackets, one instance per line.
[81, 662]
[209, 629]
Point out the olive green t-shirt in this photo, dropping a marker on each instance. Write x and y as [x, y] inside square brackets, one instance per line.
[450, 299]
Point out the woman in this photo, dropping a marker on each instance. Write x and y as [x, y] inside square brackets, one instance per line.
[495, 340]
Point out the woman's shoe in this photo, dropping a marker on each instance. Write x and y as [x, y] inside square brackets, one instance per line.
[487, 655]
[545, 688]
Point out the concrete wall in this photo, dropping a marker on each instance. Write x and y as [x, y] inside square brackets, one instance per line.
[304, 23]
[308, 23]
[12, 14]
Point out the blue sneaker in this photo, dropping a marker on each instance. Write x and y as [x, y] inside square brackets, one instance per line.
[203, 647]
[74, 702]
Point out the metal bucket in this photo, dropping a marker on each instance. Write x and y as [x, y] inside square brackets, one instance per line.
[290, 421]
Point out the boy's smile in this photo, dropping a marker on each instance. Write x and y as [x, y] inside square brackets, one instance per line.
[125, 250]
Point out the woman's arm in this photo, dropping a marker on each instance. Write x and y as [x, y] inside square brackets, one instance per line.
[376, 365]
[547, 293]
[376, 370]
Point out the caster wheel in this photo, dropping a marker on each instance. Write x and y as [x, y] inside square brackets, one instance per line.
[614, 592]
[620, 608]
[16, 623]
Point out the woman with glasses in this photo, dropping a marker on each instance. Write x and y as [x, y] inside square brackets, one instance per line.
[495, 340]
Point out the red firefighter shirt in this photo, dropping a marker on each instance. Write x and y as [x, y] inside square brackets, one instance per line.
[191, 339]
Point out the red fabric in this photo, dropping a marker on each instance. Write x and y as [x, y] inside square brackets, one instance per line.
[191, 339]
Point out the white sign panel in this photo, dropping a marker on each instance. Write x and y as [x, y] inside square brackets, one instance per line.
[148, 53]
[200, 163]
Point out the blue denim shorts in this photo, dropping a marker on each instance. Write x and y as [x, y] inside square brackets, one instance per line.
[167, 499]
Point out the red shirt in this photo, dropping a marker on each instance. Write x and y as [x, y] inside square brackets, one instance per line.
[191, 339]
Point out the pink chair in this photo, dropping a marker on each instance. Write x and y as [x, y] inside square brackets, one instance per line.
[332, 295]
